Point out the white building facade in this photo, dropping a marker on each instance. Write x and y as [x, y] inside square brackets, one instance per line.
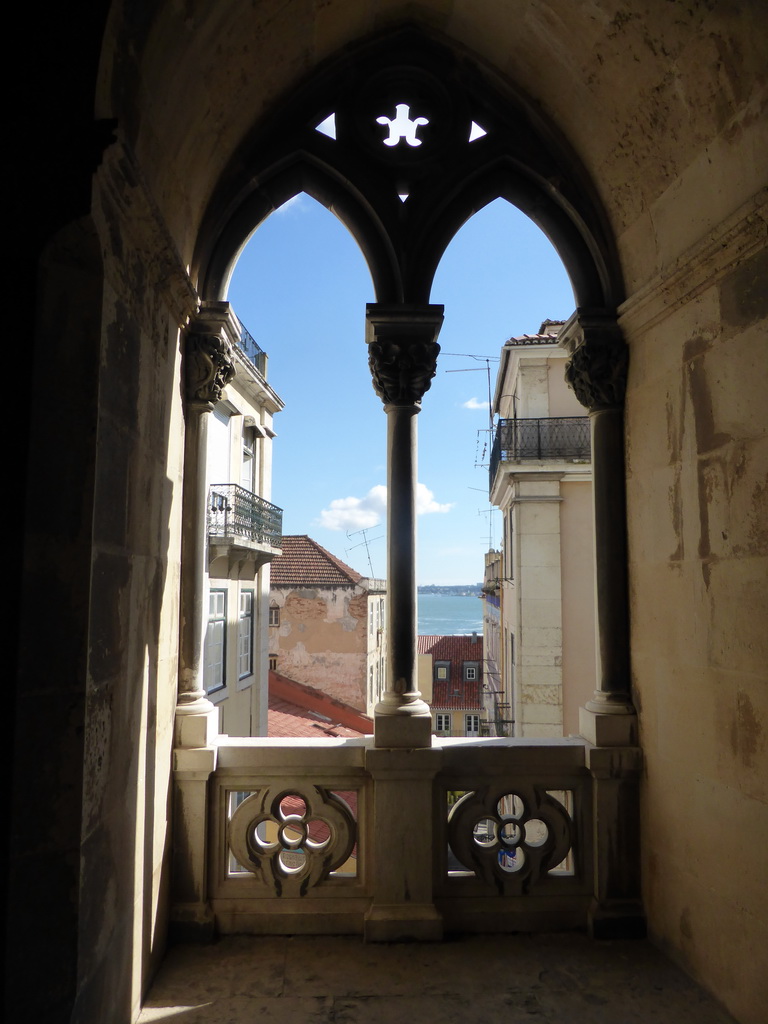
[244, 535]
[541, 479]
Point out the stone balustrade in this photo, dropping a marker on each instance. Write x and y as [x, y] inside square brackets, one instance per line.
[338, 836]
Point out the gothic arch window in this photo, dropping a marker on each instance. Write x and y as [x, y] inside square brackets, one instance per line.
[404, 139]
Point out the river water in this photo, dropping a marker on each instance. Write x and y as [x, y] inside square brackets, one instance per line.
[446, 615]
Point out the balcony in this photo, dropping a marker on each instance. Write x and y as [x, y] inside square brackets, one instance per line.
[291, 851]
[553, 438]
[325, 836]
[244, 532]
[253, 352]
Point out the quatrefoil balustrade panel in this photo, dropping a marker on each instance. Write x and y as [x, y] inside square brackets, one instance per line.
[511, 839]
[292, 839]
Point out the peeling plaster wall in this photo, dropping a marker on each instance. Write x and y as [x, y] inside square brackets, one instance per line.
[322, 639]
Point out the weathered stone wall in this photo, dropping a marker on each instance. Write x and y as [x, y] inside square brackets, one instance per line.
[134, 612]
[698, 528]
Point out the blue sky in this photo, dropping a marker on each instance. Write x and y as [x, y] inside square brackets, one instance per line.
[300, 287]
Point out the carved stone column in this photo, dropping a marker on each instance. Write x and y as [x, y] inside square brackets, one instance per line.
[207, 366]
[403, 358]
[597, 372]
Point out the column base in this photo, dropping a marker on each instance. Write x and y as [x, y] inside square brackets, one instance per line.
[608, 729]
[617, 921]
[402, 731]
[398, 923]
[196, 724]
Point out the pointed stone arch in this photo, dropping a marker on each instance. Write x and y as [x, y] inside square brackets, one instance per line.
[423, 136]
[521, 157]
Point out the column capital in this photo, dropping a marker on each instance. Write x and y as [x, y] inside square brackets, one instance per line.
[597, 368]
[402, 349]
[208, 353]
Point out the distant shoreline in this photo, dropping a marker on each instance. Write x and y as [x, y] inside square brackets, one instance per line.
[457, 590]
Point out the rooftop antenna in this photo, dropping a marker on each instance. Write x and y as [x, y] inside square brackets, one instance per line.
[486, 512]
[363, 542]
[478, 369]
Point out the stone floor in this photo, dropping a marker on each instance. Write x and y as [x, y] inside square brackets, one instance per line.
[317, 980]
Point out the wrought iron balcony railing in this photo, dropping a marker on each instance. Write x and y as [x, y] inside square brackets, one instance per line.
[554, 437]
[234, 512]
[253, 351]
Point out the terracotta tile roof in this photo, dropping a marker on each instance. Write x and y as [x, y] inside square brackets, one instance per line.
[546, 335]
[456, 693]
[305, 563]
[468, 698]
[533, 339]
[452, 648]
[296, 709]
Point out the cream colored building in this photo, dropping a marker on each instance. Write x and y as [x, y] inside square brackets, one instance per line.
[541, 479]
[495, 696]
[244, 534]
[327, 623]
[451, 680]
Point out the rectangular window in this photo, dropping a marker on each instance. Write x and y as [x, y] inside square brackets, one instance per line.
[273, 663]
[274, 615]
[245, 635]
[470, 672]
[510, 562]
[471, 725]
[214, 672]
[247, 468]
[442, 671]
[442, 724]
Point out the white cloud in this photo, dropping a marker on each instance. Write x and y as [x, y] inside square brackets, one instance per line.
[473, 403]
[425, 502]
[364, 513]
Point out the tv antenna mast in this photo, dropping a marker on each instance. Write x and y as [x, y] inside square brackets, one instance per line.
[479, 461]
[363, 543]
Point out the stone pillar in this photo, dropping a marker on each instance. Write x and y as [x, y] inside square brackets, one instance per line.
[402, 907]
[597, 372]
[208, 366]
[403, 352]
[616, 911]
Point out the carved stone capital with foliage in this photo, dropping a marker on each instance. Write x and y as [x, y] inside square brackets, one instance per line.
[402, 371]
[597, 368]
[402, 351]
[598, 375]
[209, 367]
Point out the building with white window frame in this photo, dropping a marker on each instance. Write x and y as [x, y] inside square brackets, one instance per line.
[244, 535]
[451, 681]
